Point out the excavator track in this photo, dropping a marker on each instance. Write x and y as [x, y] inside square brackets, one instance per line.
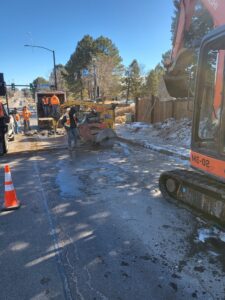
[196, 190]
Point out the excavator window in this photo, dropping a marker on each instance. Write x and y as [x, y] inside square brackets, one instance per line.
[210, 107]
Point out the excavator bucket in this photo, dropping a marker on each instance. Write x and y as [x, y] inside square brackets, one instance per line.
[177, 85]
[177, 77]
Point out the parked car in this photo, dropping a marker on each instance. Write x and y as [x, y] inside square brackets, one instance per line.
[8, 135]
[11, 128]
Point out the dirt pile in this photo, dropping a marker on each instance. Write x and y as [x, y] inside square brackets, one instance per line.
[121, 111]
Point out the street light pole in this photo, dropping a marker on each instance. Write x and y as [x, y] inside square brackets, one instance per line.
[54, 66]
[95, 83]
[95, 77]
[56, 87]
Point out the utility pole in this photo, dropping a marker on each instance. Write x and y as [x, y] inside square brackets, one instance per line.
[94, 77]
[54, 65]
[95, 83]
[56, 86]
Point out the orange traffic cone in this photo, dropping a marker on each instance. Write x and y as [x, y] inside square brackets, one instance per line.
[11, 201]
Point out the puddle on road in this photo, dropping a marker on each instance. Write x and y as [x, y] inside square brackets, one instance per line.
[75, 182]
[69, 183]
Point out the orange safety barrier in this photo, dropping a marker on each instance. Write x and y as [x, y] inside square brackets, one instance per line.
[11, 201]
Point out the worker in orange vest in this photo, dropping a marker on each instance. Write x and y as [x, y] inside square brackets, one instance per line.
[55, 103]
[16, 118]
[45, 105]
[26, 118]
[70, 123]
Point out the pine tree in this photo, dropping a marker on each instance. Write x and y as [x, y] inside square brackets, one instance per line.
[78, 62]
[133, 80]
[84, 68]
[153, 80]
[60, 77]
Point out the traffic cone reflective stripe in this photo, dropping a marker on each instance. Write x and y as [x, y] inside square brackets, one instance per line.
[8, 177]
[11, 201]
[9, 187]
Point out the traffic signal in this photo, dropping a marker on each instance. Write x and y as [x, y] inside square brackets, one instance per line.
[33, 86]
[13, 87]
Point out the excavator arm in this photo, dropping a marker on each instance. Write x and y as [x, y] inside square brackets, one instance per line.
[176, 77]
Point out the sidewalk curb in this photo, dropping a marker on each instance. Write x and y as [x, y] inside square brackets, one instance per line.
[153, 148]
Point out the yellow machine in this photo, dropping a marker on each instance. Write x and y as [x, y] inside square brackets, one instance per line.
[49, 121]
[96, 120]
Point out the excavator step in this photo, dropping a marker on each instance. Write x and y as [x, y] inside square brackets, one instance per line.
[203, 193]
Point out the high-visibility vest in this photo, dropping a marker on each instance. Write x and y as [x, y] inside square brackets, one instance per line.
[2, 114]
[45, 101]
[26, 114]
[67, 123]
[55, 100]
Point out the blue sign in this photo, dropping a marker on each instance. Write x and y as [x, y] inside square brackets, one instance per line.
[43, 86]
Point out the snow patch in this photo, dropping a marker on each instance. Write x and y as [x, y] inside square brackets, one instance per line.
[171, 135]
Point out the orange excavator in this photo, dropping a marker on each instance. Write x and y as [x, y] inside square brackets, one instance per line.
[203, 187]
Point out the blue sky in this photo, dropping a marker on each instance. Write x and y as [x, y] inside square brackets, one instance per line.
[139, 28]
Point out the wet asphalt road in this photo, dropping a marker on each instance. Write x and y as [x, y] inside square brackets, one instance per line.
[93, 225]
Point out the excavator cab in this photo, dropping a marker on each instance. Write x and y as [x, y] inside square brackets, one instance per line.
[208, 136]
